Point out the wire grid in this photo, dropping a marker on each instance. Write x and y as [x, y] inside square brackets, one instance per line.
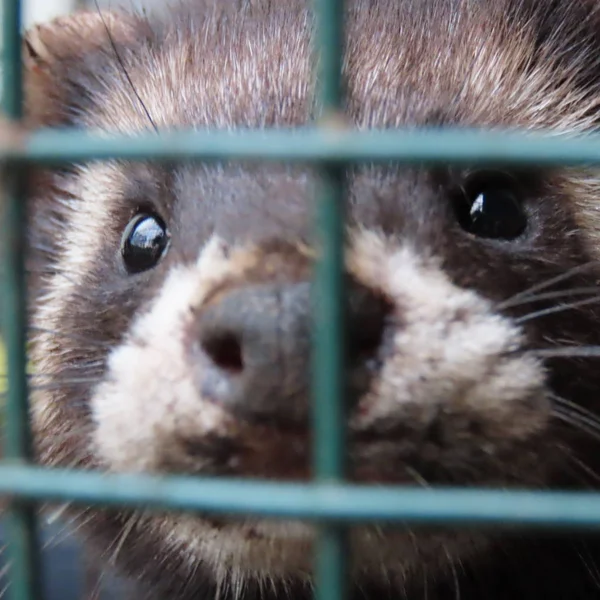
[328, 501]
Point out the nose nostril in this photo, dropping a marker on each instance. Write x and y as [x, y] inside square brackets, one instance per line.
[368, 323]
[368, 341]
[225, 351]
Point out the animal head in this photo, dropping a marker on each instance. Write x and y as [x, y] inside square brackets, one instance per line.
[172, 303]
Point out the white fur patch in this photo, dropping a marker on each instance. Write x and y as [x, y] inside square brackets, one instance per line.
[154, 361]
[449, 353]
[450, 347]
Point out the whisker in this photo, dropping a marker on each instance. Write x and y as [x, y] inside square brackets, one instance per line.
[578, 422]
[121, 538]
[567, 352]
[581, 418]
[93, 578]
[549, 282]
[575, 407]
[417, 477]
[57, 513]
[589, 564]
[122, 65]
[3, 574]
[70, 529]
[549, 296]
[585, 468]
[452, 564]
[556, 309]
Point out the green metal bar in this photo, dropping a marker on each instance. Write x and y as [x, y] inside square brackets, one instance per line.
[22, 526]
[329, 422]
[328, 369]
[330, 44]
[457, 146]
[340, 503]
[12, 86]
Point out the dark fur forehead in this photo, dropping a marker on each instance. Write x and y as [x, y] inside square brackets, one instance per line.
[488, 62]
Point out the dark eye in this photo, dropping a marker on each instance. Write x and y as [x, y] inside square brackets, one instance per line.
[145, 240]
[491, 206]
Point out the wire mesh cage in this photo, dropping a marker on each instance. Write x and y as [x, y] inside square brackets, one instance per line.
[328, 501]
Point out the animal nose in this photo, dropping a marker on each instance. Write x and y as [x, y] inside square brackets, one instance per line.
[255, 348]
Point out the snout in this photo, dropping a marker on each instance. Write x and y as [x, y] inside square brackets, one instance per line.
[254, 348]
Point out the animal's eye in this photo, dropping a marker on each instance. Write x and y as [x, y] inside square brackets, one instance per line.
[490, 205]
[144, 241]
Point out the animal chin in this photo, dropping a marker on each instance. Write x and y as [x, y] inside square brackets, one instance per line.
[399, 455]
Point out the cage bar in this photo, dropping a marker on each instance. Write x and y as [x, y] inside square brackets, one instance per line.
[329, 423]
[314, 146]
[328, 501]
[22, 526]
[339, 503]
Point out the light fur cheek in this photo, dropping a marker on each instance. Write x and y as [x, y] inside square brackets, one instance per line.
[150, 380]
[149, 384]
[451, 351]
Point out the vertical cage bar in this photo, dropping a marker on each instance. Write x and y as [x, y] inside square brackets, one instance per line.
[22, 530]
[329, 353]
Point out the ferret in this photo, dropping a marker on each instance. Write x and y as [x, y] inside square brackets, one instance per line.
[170, 304]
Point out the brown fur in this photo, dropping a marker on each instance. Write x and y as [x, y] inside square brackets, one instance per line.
[444, 389]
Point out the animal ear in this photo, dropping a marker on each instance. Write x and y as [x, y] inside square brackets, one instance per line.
[55, 52]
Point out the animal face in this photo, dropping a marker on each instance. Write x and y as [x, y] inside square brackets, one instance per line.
[175, 301]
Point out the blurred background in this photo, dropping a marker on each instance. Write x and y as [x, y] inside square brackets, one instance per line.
[40, 11]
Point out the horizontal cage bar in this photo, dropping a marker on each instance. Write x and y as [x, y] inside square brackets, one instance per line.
[310, 146]
[340, 503]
